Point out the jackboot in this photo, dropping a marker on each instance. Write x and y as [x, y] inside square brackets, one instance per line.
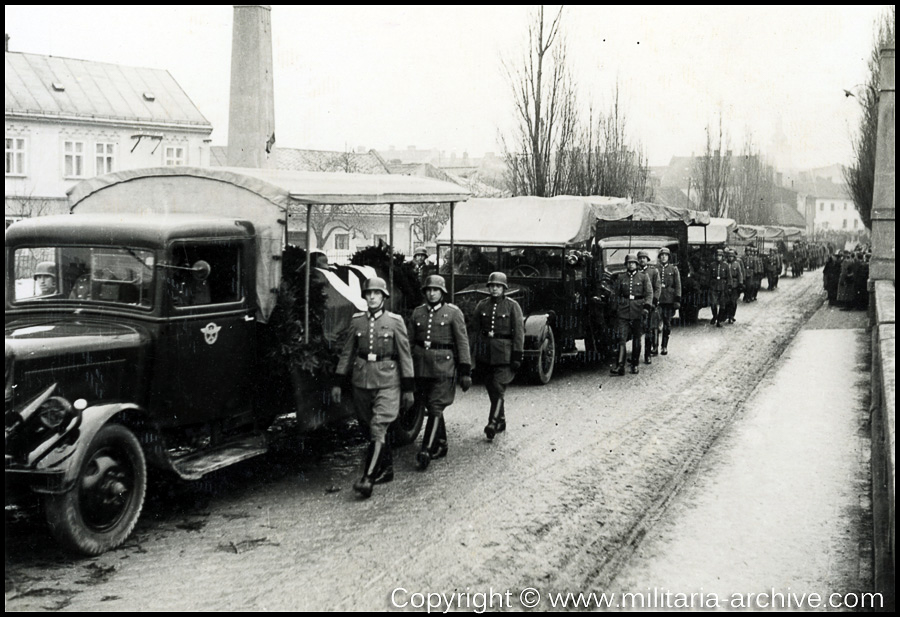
[385, 471]
[665, 343]
[654, 349]
[491, 429]
[501, 416]
[423, 458]
[619, 368]
[370, 464]
[440, 447]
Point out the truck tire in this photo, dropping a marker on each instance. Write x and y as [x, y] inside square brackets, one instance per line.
[545, 361]
[100, 511]
[406, 427]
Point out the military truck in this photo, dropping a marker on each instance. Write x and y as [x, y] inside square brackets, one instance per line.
[145, 350]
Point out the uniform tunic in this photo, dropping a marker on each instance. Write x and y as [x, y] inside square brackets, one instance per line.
[670, 293]
[440, 344]
[499, 341]
[653, 319]
[720, 282]
[377, 359]
[633, 292]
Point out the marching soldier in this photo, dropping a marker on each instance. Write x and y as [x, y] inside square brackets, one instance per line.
[634, 300]
[651, 325]
[669, 295]
[737, 284]
[377, 354]
[500, 345]
[440, 352]
[720, 285]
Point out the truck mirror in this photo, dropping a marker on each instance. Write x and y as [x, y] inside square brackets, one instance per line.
[201, 270]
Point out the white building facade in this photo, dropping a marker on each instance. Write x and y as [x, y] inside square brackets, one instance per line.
[67, 120]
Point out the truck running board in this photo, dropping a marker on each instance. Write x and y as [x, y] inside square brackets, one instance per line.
[197, 464]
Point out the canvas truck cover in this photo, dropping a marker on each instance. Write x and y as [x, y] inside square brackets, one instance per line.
[265, 197]
[537, 221]
[715, 233]
[614, 209]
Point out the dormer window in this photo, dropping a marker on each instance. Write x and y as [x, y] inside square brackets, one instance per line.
[58, 86]
[148, 96]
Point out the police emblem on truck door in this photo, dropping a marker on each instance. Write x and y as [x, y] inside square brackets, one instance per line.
[210, 332]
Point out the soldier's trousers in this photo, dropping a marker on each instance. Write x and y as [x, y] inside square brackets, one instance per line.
[731, 298]
[631, 329]
[496, 378]
[666, 314]
[435, 394]
[376, 409]
[718, 302]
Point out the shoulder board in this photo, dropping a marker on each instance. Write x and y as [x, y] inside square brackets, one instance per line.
[395, 316]
[360, 314]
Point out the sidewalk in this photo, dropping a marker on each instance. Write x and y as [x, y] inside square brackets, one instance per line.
[782, 501]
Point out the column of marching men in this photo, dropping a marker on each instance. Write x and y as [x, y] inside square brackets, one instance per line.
[383, 363]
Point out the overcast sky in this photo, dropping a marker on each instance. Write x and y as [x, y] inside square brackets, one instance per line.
[432, 76]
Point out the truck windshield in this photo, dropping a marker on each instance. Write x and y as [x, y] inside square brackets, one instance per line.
[539, 262]
[118, 275]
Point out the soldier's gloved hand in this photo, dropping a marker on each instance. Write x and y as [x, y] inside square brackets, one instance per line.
[677, 305]
[515, 366]
[465, 383]
[406, 401]
[655, 302]
[646, 312]
[336, 394]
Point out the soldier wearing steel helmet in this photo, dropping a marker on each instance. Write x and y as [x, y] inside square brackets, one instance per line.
[633, 295]
[669, 295]
[377, 363]
[720, 286]
[45, 278]
[440, 351]
[736, 285]
[419, 258]
[651, 323]
[499, 347]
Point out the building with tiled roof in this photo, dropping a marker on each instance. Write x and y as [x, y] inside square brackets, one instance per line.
[68, 119]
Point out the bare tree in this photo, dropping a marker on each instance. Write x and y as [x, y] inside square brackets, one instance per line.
[752, 188]
[860, 177]
[545, 105]
[326, 219]
[714, 171]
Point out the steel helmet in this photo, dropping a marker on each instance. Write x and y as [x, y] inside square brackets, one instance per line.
[420, 251]
[45, 268]
[643, 253]
[437, 281]
[665, 251]
[498, 278]
[376, 283]
[631, 257]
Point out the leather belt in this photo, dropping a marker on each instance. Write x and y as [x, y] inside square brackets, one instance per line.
[371, 357]
[507, 337]
[430, 345]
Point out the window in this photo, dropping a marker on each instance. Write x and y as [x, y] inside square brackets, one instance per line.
[15, 156]
[106, 157]
[73, 159]
[845, 207]
[821, 207]
[855, 223]
[379, 239]
[174, 155]
[845, 224]
[342, 242]
[832, 207]
[204, 273]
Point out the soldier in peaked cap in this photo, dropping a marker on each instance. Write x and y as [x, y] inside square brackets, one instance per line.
[499, 347]
[440, 354]
[669, 295]
[720, 285]
[651, 325]
[376, 360]
[633, 294]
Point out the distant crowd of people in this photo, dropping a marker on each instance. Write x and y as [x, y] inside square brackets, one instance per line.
[845, 277]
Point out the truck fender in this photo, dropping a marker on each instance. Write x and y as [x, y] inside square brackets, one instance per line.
[535, 325]
[69, 456]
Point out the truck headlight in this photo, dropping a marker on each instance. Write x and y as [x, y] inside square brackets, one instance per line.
[54, 411]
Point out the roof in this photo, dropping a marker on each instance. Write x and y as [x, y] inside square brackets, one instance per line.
[785, 214]
[105, 229]
[60, 88]
[539, 221]
[672, 196]
[714, 233]
[297, 159]
[286, 188]
[615, 209]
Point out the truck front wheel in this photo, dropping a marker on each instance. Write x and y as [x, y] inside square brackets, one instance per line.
[542, 369]
[100, 511]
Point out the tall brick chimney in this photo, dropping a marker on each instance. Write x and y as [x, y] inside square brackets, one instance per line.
[251, 114]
